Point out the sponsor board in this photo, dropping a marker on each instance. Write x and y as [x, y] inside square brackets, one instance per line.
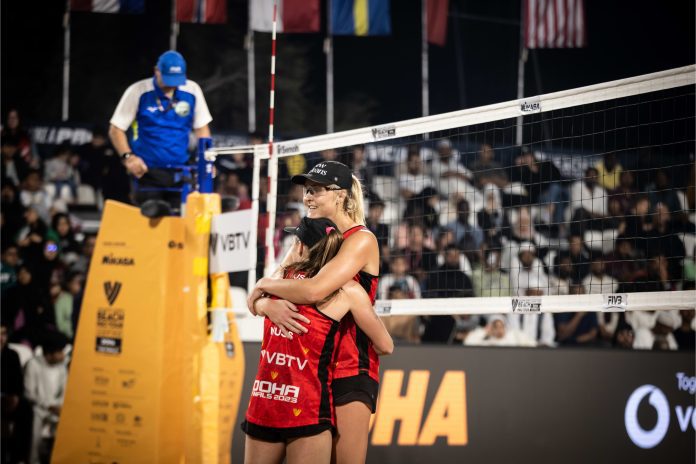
[530, 105]
[526, 305]
[232, 241]
[615, 302]
[384, 132]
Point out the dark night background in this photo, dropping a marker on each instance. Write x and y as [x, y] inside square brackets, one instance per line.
[377, 80]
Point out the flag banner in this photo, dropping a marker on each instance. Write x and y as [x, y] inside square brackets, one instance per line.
[109, 6]
[292, 16]
[201, 11]
[360, 17]
[554, 24]
[437, 21]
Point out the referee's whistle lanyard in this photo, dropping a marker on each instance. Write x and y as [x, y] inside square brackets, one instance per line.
[171, 102]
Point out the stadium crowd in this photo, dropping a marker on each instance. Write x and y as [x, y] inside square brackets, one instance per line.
[447, 227]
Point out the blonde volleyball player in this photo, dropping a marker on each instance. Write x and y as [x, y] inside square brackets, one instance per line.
[331, 191]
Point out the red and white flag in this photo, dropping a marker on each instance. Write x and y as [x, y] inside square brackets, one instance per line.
[554, 24]
[201, 11]
[292, 15]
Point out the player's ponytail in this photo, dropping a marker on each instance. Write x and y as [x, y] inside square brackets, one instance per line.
[353, 205]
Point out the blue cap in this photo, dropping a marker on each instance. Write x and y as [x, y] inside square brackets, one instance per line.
[173, 68]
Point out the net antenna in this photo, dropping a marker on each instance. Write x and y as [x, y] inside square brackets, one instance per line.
[273, 160]
[648, 121]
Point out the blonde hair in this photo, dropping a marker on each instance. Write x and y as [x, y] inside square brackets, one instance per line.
[353, 205]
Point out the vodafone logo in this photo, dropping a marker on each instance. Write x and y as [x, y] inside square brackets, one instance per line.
[685, 415]
[641, 437]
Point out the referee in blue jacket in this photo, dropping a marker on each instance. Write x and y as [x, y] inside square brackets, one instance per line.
[162, 111]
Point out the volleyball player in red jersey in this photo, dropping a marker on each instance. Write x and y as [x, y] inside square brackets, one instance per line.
[331, 191]
[290, 411]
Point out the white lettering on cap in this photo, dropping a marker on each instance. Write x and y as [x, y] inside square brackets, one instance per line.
[175, 69]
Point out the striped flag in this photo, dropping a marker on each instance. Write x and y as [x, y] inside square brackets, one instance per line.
[437, 21]
[554, 24]
[108, 6]
[360, 17]
[293, 15]
[201, 11]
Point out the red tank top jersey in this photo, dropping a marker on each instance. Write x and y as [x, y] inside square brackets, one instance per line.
[356, 355]
[292, 386]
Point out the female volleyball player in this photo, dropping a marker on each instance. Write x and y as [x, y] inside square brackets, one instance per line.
[290, 410]
[331, 191]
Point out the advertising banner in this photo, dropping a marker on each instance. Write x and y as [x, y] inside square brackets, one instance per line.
[503, 405]
[232, 237]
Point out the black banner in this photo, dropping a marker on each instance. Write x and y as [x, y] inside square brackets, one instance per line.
[500, 405]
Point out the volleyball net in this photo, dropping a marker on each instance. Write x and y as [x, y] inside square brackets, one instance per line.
[580, 200]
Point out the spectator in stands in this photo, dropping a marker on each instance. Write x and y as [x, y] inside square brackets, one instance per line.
[621, 263]
[467, 236]
[607, 323]
[528, 272]
[61, 229]
[588, 202]
[33, 194]
[597, 282]
[12, 213]
[625, 192]
[421, 258]
[663, 240]
[59, 172]
[165, 107]
[8, 269]
[497, 333]
[666, 323]
[401, 328]
[487, 279]
[65, 301]
[49, 267]
[579, 328]
[492, 218]
[14, 167]
[609, 171]
[578, 256]
[538, 327]
[31, 236]
[624, 336]
[360, 167]
[12, 387]
[422, 208]
[453, 179]
[85, 256]
[14, 131]
[561, 276]
[522, 228]
[29, 309]
[486, 170]
[288, 221]
[543, 182]
[662, 191]
[45, 377]
[414, 180]
[448, 282]
[398, 277]
[102, 169]
[685, 335]
[374, 222]
[294, 199]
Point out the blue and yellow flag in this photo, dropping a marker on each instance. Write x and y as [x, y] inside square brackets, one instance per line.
[360, 17]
